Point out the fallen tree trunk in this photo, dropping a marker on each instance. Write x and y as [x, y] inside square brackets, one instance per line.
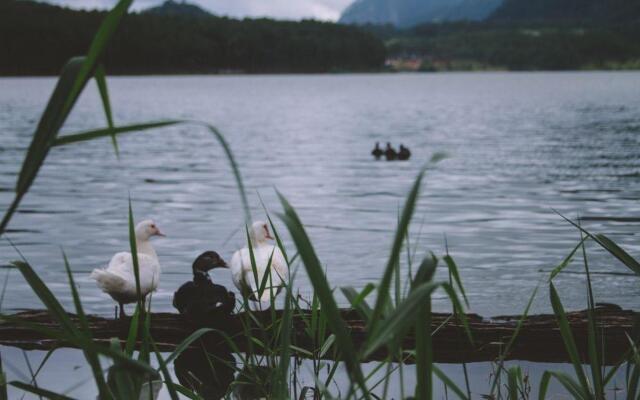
[538, 340]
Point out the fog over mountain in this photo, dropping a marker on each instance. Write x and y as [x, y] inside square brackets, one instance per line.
[405, 13]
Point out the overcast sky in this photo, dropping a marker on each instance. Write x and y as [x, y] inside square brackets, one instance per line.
[282, 9]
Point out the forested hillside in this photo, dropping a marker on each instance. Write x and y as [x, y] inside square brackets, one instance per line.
[550, 11]
[38, 38]
[504, 46]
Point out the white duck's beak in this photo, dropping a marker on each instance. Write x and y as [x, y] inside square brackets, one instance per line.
[160, 233]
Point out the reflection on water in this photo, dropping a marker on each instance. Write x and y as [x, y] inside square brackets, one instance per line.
[208, 372]
[253, 384]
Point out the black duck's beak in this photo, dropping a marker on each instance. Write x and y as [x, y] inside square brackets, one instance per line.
[223, 264]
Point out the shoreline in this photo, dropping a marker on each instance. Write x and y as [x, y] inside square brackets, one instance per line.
[384, 72]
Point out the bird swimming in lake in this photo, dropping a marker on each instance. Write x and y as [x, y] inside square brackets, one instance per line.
[263, 251]
[377, 151]
[118, 279]
[404, 153]
[390, 153]
[200, 299]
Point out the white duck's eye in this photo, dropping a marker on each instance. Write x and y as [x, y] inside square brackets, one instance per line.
[153, 226]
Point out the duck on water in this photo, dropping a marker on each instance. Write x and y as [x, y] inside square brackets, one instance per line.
[268, 259]
[118, 279]
[201, 299]
[390, 153]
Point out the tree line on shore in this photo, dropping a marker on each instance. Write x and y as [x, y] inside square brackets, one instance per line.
[515, 46]
[38, 38]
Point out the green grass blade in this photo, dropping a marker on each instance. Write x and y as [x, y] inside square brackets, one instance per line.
[101, 80]
[618, 252]
[453, 269]
[595, 357]
[39, 391]
[72, 81]
[48, 299]
[610, 246]
[281, 387]
[566, 260]
[186, 343]
[544, 385]
[424, 353]
[357, 301]
[254, 269]
[449, 383]
[165, 372]
[512, 382]
[567, 338]
[571, 385]
[234, 168]
[76, 297]
[403, 226]
[3, 383]
[50, 123]
[92, 358]
[324, 292]
[404, 316]
[512, 340]
[132, 337]
[134, 254]
[99, 133]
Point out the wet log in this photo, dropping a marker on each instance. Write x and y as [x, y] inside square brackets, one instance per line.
[539, 338]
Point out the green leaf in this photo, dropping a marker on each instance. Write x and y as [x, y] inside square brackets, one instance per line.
[422, 320]
[610, 246]
[132, 337]
[327, 345]
[134, 255]
[99, 133]
[449, 383]
[281, 386]
[39, 391]
[357, 300]
[512, 382]
[186, 343]
[234, 169]
[566, 260]
[72, 81]
[101, 80]
[324, 293]
[385, 283]
[48, 299]
[91, 357]
[405, 315]
[453, 268]
[567, 338]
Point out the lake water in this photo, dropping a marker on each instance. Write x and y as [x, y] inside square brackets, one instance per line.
[520, 145]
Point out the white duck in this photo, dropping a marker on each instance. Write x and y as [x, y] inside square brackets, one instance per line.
[242, 272]
[118, 279]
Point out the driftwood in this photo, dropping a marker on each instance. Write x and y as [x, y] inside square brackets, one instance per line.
[538, 340]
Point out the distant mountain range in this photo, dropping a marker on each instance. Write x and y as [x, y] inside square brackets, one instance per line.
[407, 13]
[171, 7]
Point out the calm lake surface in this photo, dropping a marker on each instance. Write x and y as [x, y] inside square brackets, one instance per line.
[519, 146]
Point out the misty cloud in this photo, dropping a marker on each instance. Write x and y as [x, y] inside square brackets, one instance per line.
[280, 9]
